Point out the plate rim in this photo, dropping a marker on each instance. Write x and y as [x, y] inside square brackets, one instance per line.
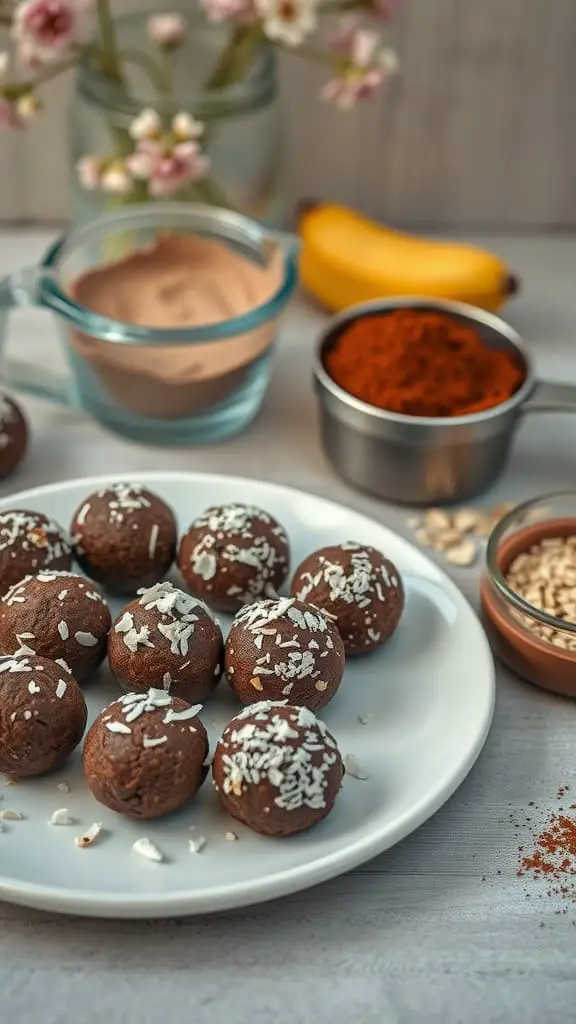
[180, 903]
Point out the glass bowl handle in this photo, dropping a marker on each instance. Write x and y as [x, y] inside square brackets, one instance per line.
[18, 290]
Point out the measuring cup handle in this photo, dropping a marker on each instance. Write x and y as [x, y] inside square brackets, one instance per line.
[549, 396]
[18, 290]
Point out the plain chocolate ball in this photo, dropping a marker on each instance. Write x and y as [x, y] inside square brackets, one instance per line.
[13, 435]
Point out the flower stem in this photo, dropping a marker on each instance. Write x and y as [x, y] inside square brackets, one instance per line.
[13, 91]
[108, 55]
[236, 58]
[158, 75]
[340, 6]
[311, 53]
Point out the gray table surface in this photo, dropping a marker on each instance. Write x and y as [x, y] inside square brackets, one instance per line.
[438, 929]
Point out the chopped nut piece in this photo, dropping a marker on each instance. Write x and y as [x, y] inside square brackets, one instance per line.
[90, 836]
[465, 520]
[447, 539]
[231, 837]
[436, 519]
[463, 554]
[424, 538]
[256, 683]
[9, 815]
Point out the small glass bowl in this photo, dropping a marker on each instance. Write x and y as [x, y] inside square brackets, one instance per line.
[166, 386]
[537, 646]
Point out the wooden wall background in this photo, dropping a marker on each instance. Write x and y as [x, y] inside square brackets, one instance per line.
[479, 130]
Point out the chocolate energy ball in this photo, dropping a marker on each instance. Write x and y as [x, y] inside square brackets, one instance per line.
[284, 649]
[13, 435]
[232, 555]
[169, 638]
[277, 769]
[29, 541]
[145, 755]
[358, 587]
[42, 715]
[57, 615]
[124, 537]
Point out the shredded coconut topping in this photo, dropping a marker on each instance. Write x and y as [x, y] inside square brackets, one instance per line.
[17, 594]
[31, 531]
[302, 638]
[358, 582]
[287, 747]
[133, 705]
[124, 497]
[236, 535]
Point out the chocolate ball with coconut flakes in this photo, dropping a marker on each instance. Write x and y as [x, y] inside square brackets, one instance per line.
[356, 585]
[284, 650]
[232, 555]
[124, 537]
[13, 435]
[30, 541]
[146, 754]
[42, 716]
[277, 769]
[57, 615]
[170, 639]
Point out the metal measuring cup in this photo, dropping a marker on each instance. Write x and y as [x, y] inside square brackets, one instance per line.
[418, 460]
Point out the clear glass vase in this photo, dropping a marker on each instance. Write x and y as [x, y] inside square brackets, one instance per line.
[244, 127]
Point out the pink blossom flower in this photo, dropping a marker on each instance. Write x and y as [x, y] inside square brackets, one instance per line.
[167, 30]
[9, 117]
[364, 65]
[89, 170]
[288, 21]
[44, 30]
[167, 168]
[116, 179]
[241, 11]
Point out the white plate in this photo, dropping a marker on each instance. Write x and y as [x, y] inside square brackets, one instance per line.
[429, 694]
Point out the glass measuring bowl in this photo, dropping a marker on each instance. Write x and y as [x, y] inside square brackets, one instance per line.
[167, 386]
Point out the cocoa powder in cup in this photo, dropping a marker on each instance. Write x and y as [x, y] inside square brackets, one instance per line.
[178, 282]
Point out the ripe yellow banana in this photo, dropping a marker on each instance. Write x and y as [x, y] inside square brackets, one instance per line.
[346, 258]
